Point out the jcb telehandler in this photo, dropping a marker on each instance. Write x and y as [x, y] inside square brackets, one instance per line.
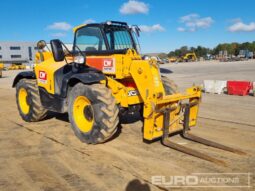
[104, 77]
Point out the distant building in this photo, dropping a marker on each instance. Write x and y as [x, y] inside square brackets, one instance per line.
[19, 52]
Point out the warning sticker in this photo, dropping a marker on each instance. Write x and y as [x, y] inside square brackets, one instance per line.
[42, 77]
[109, 65]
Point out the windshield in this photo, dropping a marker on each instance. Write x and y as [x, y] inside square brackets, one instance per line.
[90, 39]
[119, 38]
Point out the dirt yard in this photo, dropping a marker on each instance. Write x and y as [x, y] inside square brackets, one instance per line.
[47, 156]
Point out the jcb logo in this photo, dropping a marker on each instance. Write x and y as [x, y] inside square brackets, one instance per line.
[132, 93]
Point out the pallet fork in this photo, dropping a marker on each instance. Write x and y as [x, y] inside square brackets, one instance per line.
[187, 135]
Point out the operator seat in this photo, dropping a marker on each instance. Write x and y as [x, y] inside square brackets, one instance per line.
[90, 48]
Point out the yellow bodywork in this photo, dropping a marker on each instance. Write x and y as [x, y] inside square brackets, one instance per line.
[78, 27]
[149, 87]
[45, 74]
[147, 78]
[42, 56]
[1, 69]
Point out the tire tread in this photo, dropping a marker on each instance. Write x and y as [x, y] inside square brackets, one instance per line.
[37, 111]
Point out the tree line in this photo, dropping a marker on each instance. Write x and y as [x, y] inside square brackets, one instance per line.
[231, 48]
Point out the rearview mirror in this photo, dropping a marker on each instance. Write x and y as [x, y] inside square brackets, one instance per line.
[57, 50]
[41, 44]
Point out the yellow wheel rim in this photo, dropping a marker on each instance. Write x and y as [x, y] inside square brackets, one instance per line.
[23, 101]
[83, 114]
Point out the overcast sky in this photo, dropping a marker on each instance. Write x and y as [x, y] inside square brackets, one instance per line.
[165, 24]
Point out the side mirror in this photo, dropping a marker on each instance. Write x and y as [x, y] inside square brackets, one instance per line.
[57, 50]
[41, 44]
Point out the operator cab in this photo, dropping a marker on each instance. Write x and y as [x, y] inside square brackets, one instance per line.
[110, 37]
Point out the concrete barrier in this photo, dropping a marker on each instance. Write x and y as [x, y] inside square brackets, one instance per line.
[214, 86]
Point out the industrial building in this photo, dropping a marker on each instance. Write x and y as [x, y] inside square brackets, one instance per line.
[19, 52]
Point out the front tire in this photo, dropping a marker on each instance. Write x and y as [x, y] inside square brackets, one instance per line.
[28, 101]
[93, 113]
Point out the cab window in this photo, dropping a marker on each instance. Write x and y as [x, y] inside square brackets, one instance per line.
[90, 39]
[118, 38]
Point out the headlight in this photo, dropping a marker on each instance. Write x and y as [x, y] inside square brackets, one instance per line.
[79, 59]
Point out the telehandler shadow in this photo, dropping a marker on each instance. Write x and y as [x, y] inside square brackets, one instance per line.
[123, 120]
[165, 71]
[137, 185]
[58, 116]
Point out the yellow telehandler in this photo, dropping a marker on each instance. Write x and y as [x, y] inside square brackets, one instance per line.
[1, 69]
[104, 77]
[17, 66]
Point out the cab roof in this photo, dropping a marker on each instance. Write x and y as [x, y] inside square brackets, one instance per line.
[116, 23]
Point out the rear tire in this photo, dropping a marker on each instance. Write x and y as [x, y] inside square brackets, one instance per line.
[29, 103]
[102, 121]
[169, 85]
